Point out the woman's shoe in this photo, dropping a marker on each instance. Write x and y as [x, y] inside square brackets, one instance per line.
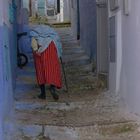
[54, 94]
[42, 96]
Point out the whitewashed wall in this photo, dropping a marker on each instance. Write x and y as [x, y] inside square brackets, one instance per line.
[130, 74]
[115, 67]
[125, 73]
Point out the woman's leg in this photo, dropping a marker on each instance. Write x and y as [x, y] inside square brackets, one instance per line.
[53, 92]
[43, 92]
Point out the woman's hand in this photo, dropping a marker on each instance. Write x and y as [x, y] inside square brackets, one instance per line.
[34, 44]
[37, 53]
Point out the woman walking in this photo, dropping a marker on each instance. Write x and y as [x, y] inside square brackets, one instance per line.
[47, 50]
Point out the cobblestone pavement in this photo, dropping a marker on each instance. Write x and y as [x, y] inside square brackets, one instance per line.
[86, 112]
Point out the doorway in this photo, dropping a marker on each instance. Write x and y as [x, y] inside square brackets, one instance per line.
[102, 40]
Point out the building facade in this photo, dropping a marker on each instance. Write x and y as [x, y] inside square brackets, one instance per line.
[8, 61]
[110, 31]
[124, 70]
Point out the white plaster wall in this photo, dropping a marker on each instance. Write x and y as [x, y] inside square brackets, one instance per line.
[124, 75]
[6, 89]
[61, 15]
[130, 74]
[66, 10]
[115, 68]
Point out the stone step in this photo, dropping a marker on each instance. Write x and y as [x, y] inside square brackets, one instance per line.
[69, 57]
[63, 30]
[68, 39]
[72, 45]
[79, 89]
[67, 102]
[73, 80]
[30, 70]
[70, 51]
[82, 60]
[30, 105]
[121, 131]
[27, 87]
[73, 116]
[74, 71]
[67, 35]
[83, 70]
[69, 43]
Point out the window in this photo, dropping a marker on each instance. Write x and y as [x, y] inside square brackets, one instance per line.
[112, 39]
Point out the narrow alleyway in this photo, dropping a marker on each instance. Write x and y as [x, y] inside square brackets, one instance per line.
[86, 112]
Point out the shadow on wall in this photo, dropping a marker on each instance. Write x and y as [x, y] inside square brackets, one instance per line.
[88, 27]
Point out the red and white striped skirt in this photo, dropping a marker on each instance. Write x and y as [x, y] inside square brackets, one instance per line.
[47, 65]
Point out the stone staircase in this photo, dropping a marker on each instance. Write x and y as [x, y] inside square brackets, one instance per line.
[86, 112]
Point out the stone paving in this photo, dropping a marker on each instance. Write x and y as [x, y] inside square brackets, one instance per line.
[86, 112]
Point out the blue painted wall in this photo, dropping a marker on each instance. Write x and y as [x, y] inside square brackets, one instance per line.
[88, 24]
[1, 85]
[13, 47]
[7, 62]
[6, 80]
